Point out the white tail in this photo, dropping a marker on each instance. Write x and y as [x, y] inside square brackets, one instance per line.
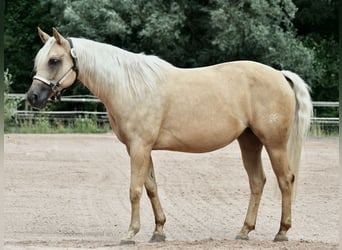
[301, 123]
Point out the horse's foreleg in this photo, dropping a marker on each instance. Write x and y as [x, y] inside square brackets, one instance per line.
[280, 165]
[140, 161]
[251, 155]
[152, 192]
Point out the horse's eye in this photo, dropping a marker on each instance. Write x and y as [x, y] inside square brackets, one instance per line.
[53, 62]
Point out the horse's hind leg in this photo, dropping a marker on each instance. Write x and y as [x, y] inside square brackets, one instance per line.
[279, 159]
[251, 155]
[152, 192]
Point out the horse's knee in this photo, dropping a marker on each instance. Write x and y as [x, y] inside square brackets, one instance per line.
[135, 194]
[257, 186]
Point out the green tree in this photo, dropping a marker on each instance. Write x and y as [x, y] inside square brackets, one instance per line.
[317, 24]
[262, 31]
[20, 38]
[139, 26]
[193, 33]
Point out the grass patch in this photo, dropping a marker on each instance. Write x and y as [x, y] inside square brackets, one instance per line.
[43, 125]
[324, 130]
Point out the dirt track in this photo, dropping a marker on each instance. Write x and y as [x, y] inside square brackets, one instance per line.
[71, 191]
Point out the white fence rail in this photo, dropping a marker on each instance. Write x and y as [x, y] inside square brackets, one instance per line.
[70, 115]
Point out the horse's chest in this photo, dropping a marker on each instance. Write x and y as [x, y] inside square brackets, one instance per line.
[142, 123]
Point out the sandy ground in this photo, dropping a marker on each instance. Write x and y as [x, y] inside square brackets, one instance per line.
[71, 192]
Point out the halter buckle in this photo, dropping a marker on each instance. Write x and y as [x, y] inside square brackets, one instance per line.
[73, 53]
[57, 97]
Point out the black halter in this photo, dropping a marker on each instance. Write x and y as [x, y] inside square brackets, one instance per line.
[54, 86]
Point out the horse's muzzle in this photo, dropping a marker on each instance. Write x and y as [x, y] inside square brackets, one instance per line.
[38, 95]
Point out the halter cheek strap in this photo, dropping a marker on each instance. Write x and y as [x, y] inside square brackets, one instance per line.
[73, 57]
[55, 86]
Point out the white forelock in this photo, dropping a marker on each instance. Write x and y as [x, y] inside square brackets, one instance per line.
[43, 52]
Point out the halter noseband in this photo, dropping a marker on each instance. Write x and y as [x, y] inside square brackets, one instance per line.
[54, 86]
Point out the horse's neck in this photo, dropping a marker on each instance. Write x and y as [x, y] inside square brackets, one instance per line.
[93, 73]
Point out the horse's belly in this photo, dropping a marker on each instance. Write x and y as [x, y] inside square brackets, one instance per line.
[198, 137]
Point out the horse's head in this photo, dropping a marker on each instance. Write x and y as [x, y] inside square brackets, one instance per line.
[56, 69]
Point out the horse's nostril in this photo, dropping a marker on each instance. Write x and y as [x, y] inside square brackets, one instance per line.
[34, 97]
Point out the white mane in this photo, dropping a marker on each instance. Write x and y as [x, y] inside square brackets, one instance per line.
[43, 52]
[130, 75]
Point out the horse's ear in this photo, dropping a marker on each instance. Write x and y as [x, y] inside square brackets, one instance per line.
[43, 36]
[59, 38]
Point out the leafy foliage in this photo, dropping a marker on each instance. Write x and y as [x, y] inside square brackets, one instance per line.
[261, 31]
[20, 38]
[317, 18]
[232, 30]
[327, 62]
[317, 23]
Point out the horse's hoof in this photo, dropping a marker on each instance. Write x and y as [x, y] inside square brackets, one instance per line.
[242, 237]
[127, 242]
[156, 237]
[280, 238]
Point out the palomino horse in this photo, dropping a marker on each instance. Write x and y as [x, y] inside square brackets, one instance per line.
[153, 105]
